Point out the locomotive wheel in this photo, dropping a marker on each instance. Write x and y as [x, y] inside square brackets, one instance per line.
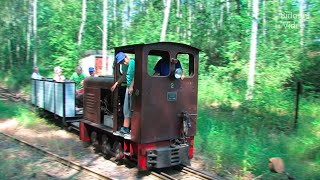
[105, 146]
[118, 150]
[69, 128]
[94, 139]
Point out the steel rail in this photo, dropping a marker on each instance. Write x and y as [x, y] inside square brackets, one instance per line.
[72, 164]
[162, 175]
[185, 168]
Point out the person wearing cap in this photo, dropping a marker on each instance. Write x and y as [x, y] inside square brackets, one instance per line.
[128, 66]
[36, 74]
[80, 93]
[91, 72]
[58, 77]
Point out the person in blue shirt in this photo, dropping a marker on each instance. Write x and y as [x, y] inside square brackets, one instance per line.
[162, 68]
[36, 74]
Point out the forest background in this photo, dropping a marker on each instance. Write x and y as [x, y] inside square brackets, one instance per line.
[246, 115]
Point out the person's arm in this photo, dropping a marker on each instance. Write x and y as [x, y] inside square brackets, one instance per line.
[130, 90]
[121, 79]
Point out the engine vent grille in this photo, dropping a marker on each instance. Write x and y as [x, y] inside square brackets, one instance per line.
[90, 103]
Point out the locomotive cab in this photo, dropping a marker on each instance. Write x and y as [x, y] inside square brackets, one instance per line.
[164, 106]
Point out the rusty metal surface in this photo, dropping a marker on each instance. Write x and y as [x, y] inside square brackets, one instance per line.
[92, 97]
[154, 117]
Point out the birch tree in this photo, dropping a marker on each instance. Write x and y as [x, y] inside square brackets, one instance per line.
[189, 20]
[221, 13]
[301, 19]
[104, 36]
[9, 35]
[228, 6]
[178, 16]
[29, 31]
[83, 22]
[264, 18]
[35, 47]
[253, 50]
[165, 20]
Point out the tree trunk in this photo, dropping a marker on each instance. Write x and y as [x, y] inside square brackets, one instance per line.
[35, 47]
[253, 50]
[228, 6]
[238, 11]
[264, 18]
[115, 11]
[104, 37]
[238, 7]
[178, 17]
[189, 34]
[29, 31]
[18, 60]
[301, 20]
[9, 51]
[83, 22]
[9, 34]
[165, 20]
[221, 13]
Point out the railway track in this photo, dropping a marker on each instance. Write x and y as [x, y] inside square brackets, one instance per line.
[182, 172]
[178, 172]
[64, 161]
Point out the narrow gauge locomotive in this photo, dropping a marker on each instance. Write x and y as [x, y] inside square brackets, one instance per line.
[163, 123]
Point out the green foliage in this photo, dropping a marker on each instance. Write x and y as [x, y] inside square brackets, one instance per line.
[244, 133]
[243, 141]
[7, 111]
[20, 112]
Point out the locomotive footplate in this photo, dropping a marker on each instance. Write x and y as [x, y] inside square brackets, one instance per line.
[168, 156]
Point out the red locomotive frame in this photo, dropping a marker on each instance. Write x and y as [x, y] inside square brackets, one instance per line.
[163, 123]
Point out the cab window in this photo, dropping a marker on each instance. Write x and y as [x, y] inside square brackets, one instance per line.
[158, 63]
[187, 63]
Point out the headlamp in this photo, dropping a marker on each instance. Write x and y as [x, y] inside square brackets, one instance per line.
[178, 73]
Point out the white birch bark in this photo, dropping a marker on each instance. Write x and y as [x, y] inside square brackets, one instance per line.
[18, 60]
[221, 14]
[29, 31]
[228, 6]
[189, 34]
[104, 37]
[178, 16]
[83, 22]
[9, 50]
[35, 47]
[253, 50]
[264, 32]
[301, 19]
[165, 20]
[114, 11]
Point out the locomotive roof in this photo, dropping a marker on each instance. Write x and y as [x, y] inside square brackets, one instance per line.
[129, 48]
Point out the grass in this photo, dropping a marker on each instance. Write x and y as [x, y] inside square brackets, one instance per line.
[23, 114]
[241, 139]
